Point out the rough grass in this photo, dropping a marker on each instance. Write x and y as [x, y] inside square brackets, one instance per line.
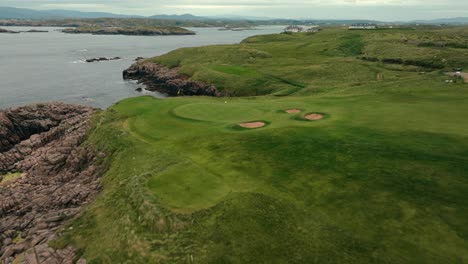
[381, 179]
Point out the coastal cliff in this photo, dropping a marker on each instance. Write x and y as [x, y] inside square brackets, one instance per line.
[165, 80]
[53, 176]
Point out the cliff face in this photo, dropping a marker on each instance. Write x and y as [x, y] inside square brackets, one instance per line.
[162, 79]
[58, 176]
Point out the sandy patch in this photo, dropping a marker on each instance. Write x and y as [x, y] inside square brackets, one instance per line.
[252, 124]
[313, 117]
[464, 75]
[293, 111]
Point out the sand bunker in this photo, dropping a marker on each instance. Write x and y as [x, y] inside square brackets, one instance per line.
[252, 124]
[293, 111]
[313, 117]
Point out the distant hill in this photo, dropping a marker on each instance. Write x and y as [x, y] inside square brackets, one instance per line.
[23, 13]
[31, 14]
[188, 17]
[456, 20]
[233, 17]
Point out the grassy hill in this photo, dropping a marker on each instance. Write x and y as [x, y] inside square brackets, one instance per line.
[380, 179]
[304, 64]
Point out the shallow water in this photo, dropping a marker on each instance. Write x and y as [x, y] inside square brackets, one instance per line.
[42, 67]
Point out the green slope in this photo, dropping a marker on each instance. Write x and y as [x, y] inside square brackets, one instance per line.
[381, 179]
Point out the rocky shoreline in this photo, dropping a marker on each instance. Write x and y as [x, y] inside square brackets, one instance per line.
[159, 78]
[42, 144]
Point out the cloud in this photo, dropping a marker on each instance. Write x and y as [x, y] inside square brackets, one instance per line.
[369, 9]
[74, 6]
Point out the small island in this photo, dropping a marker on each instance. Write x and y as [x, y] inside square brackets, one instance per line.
[131, 31]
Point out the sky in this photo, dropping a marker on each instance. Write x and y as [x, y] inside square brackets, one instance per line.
[386, 10]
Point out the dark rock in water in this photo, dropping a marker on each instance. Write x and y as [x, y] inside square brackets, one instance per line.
[8, 31]
[139, 89]
[162, 79]
[58, 175]
[92, 60]
[36, 31]
[139, 58]
[103, 59]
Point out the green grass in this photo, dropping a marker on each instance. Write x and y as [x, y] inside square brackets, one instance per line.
[381, 179]
[9, 176]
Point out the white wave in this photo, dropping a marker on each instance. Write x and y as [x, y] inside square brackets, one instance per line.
[78, 61]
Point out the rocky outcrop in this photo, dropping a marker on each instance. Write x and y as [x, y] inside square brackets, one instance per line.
[7, 31]
[21, 123]
[58, 176]
[162, 79]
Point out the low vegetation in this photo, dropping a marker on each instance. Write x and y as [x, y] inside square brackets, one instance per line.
[380, 178]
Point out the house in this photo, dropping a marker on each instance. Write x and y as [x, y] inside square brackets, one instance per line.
[294, 29]
[362, 26]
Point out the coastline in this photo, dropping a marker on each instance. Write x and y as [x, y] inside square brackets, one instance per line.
[159, 78]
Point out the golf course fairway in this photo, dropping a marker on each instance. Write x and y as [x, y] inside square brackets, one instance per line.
[379, 175]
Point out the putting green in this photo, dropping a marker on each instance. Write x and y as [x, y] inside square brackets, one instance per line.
[219, 112]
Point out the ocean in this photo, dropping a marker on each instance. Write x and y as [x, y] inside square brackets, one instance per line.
[45, 67]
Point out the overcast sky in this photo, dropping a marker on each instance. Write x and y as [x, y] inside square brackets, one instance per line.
[390, 10]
